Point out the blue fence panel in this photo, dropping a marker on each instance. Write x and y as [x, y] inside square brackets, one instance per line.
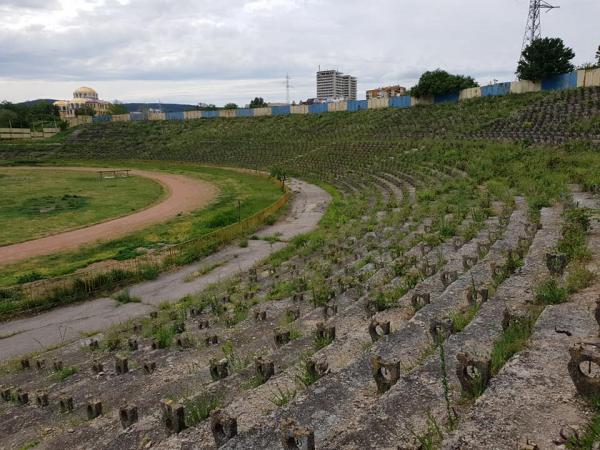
[355, 105]
[400, 102]
[450, 97]
[495, 89]
[280, 110]
[174, 115]
[317, 108]
[244, 112]
[210, 114]
[101, 118]
[563, 81]
[136, 116]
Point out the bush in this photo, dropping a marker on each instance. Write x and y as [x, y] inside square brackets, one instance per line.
[440, 82]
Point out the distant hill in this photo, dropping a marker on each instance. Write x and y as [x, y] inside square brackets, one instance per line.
[39, 100]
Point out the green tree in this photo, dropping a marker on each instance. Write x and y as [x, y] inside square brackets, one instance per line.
[118, 108]
[441, 82]
[28, 114]
[230, 106]
[544, 58]
[598, 55]
[8, 117]
[279, 173]
[258, 102]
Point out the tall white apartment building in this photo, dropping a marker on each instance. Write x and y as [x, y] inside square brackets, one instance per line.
[334, 84]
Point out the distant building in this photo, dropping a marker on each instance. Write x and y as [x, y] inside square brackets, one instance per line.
[386, 92]
[82, 97]
[332, 84]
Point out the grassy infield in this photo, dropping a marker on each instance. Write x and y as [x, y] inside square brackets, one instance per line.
[36, 203]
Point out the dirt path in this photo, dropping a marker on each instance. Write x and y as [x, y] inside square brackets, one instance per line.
[184, 194]
[71, 322]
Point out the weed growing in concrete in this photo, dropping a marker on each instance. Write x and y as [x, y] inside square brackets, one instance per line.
[512, 341]
[305, 375]
[451, 415]
[124, 296]
[283, 396]
[461, 319]
[199, 408]
[64, 373]
[550, 293]
[322, 342]
[590, 438]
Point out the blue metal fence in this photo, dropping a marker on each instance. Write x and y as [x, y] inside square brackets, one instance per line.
[356, 105]
[174, 115]
[317, 108]
[400, 102]
[563, 81]
[244, 112]
[101, 118]
[280, 110]
[495, 89]
[450, 97]
[558, 82]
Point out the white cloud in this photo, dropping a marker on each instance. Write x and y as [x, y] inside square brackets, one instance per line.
[230, 50]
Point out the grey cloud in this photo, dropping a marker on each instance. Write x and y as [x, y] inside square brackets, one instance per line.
[29, 4]
[380, 41]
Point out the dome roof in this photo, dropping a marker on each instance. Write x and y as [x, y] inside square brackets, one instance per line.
[85, 90]
[82, 100]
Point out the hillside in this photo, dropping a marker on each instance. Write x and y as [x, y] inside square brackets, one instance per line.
[448, 299]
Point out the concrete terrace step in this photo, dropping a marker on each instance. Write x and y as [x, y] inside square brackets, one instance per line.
[336, 397]
[403, 412]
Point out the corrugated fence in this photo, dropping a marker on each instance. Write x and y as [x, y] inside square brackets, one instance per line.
[579, 78]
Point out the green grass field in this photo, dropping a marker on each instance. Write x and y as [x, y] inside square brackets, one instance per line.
[36, 203]
[254, 193]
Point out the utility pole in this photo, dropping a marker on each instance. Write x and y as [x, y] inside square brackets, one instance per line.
[287, 88]
[533, 30]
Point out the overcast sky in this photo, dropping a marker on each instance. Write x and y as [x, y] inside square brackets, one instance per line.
[217, 51]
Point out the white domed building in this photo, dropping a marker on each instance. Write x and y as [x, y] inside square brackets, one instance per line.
[82, 97]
